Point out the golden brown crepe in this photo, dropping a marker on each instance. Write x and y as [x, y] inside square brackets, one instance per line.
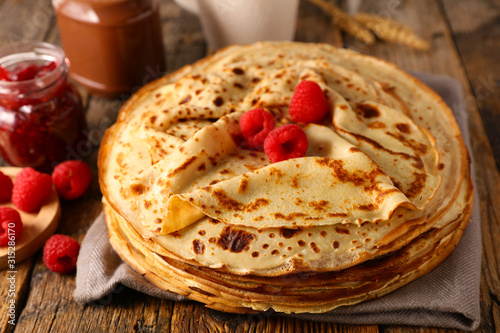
[386, 175]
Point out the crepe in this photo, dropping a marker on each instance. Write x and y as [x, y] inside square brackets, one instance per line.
[385, 176]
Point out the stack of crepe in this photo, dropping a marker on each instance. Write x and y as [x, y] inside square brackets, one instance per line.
[381, 197]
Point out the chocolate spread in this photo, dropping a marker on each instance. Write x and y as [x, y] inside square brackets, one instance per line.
[114, 46]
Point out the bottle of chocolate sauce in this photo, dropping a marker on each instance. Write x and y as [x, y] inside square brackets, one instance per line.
[114, 46]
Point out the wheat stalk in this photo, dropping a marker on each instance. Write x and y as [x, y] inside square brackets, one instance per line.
[362, 26]
[392, 31]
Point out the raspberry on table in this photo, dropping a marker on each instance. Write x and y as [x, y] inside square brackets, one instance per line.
[308, 103]
[71, 178]
[285, 142]
[60, 253]
[11, 225]
[30, 189]
[255, 125]
[5, 187]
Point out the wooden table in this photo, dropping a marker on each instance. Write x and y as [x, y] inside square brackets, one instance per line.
[464, 37]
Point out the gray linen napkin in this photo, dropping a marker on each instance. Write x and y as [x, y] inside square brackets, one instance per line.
[446, 297]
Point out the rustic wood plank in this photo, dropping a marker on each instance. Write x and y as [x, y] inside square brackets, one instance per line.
[191, 316]
[20, 278]
[182, 36]
[444, 59]
[428, 20]
[123, 310]
[488, 191]
[476, 31]
[407, 329]
[479, 34]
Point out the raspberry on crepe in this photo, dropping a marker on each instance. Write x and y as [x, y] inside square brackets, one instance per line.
[255, 126]
[285, 142]
[308, 103]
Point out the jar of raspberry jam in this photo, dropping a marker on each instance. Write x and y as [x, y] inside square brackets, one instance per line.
[42, 119]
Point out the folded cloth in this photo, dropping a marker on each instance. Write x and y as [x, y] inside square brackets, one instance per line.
[447, 297]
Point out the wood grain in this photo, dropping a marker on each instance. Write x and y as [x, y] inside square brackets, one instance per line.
[463, 46]
[457, 63]
[480, 35]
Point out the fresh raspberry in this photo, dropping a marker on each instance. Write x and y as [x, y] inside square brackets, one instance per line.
[285, 142]
[308, 103]
[60, 253]
[71, 178]
[5, 187]
[255, 125]
[30, 189]
[11, 225]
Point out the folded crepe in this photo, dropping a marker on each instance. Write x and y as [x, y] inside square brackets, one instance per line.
[381, 196]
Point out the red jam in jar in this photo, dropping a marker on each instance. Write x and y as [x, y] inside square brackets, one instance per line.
[41, 115]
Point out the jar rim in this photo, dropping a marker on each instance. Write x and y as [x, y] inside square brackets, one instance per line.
[31, 51]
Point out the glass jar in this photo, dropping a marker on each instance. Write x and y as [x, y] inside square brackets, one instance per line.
[115, 46]
[41, 115]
